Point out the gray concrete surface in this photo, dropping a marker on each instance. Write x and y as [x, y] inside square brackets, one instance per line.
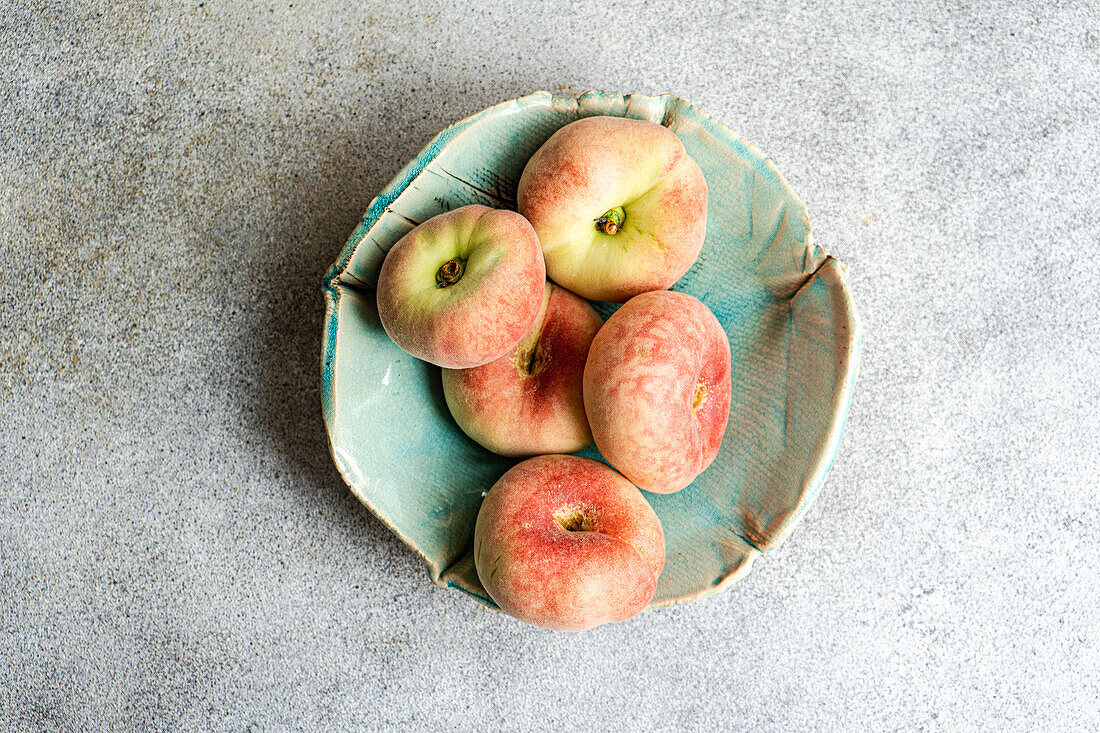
[177, 551]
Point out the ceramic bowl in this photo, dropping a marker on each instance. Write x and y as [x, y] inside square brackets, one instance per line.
[785, 304]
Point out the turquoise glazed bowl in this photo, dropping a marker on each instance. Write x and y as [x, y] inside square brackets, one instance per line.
[785, 304]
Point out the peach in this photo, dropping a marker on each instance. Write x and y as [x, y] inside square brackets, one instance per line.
[529, 401]
[618, 205]
[461, 289]
[657, 389]
[567, 543]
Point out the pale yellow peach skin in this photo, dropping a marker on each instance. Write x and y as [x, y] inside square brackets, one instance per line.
[529, 401]
[461, 289]
[618, 205]
[657, 389]
[567, 543]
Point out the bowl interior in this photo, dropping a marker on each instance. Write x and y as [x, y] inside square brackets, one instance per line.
[785, 305]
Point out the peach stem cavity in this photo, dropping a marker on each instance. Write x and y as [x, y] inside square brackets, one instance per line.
[531, 361]
[450, 272]
[612, 221]
[572, 520]
[698, 398]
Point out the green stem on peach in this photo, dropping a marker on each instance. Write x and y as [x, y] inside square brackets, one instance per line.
[612, 221]
[450, 272]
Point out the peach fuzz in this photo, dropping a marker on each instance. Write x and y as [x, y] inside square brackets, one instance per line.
[657, 389]
[461, 289]
[567, 543]
[529, 401]
[619, 206]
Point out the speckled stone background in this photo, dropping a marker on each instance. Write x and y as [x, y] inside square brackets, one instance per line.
[177, 551]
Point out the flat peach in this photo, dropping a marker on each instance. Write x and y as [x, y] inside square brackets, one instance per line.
[619, 206]
[461, 289]
[657, 389]
[567, 543]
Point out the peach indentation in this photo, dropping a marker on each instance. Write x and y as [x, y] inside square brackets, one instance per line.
[572, 519]
[449, 273]
[531, 361]
[698, 398]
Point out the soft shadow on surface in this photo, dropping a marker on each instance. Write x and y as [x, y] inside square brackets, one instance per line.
[326, 178]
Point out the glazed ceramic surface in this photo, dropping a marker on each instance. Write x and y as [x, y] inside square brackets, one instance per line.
[784, 303]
